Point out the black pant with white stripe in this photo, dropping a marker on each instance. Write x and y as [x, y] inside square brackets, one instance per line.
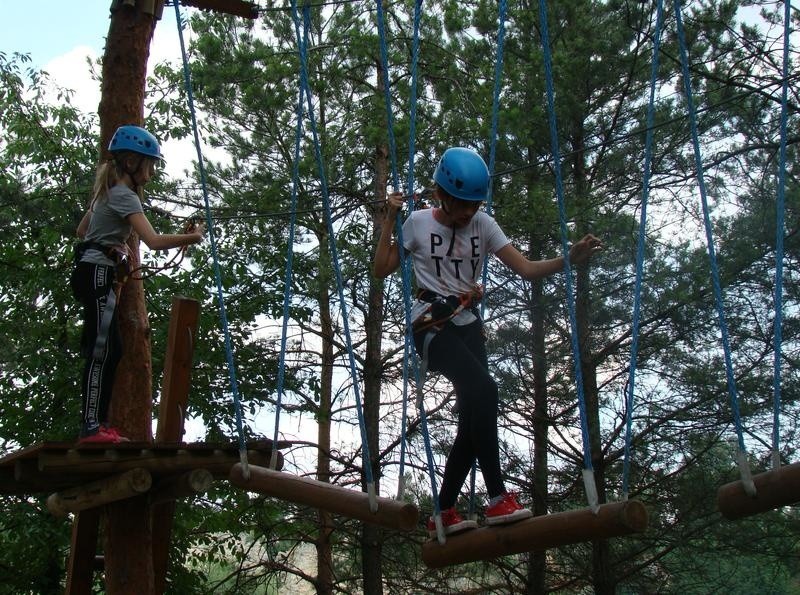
[91, 284]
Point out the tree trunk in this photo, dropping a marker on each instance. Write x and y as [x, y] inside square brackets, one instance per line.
[601, 556]
[325, 577]
[370, 535]
[537, 566]
[128, 541]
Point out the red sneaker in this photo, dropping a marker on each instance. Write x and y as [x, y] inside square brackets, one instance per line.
[102, 435]
[452, 523]
[506, 510]
[115, 432]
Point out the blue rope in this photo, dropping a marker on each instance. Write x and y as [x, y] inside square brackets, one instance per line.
[405, 263]
[287, 292]
[213, 241]
[587, 456]
[723, 327]
[498, 76]
[367, 463]
[648, 153]
[779, 207]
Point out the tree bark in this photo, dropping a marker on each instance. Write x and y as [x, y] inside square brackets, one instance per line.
[325, 576]
[371, 541]
[537, 566]
[128, 540]
[602, 575]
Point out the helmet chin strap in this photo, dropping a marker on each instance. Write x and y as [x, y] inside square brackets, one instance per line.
[132, 172]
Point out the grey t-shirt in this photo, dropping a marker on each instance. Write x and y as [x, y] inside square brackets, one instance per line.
[109, 224]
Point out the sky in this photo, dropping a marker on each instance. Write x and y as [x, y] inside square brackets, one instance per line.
[62, 37]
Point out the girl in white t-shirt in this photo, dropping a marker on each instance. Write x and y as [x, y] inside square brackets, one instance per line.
[448, 245]
[101, 260]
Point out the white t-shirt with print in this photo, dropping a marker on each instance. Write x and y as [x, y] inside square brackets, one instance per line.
[447, 260]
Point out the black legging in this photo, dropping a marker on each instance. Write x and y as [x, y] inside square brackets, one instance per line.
[459, 352]
[91, 284]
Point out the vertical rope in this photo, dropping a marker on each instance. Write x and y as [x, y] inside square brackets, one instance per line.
[366, 460]
[548, 70]
[648, 154]
[405, 263]
[723, 326]
[409, 352]
[498, 77]
[214, 254]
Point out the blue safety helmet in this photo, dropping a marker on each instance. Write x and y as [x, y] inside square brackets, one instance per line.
[136, 139]
[462, 173]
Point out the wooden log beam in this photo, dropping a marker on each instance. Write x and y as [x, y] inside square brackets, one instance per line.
[237, 8]
[776, 488]
[537, 533]
[191, 483]
[353, 504]
[97, 493]
[76, 462]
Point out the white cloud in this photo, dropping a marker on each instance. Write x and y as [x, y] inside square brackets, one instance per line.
[71, 71]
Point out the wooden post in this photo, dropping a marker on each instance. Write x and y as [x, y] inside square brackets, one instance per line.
[353, 504]
[171, 416]
[537, 533]
[82, 552]
[98, 493]
[776, 488]
[181, 339]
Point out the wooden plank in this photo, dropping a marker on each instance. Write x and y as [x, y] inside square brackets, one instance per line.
[98, 493]
[54, 466]
[157, 462]
[774, 489]
[537, 533]
[325, 496]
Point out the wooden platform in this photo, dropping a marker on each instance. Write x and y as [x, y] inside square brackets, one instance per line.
[54, 466]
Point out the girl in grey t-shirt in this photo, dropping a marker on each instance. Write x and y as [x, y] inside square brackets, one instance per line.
[101, 257]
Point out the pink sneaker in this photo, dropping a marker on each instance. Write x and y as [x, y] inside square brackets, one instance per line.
[102, 435]
[452, 523]
[506, 510]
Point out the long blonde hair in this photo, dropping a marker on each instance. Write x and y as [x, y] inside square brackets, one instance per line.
[110, 172]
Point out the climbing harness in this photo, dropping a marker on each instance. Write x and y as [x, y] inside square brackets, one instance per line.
[441, 309]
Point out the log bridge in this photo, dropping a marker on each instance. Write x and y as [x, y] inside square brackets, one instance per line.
[775, 489]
